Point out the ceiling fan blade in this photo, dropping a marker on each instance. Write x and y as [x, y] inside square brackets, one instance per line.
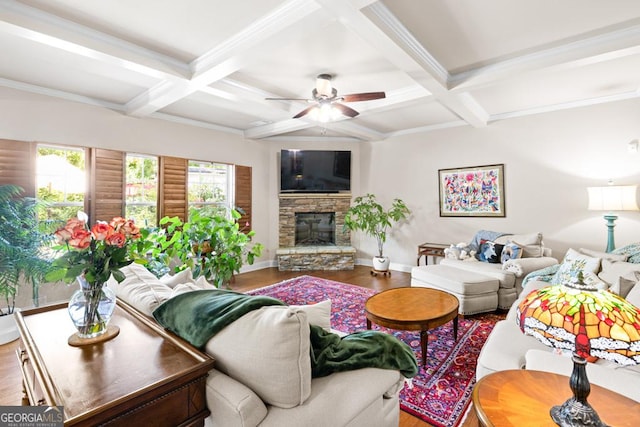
[368, 96]
[347, 111]
[304, 112]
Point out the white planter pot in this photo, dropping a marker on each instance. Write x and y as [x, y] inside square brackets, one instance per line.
[8, 329]
[381, 263]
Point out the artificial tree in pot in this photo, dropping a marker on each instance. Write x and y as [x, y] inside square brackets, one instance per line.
[22, 259]
[366, 214]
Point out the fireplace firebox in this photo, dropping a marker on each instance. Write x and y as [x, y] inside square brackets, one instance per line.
[315, 229]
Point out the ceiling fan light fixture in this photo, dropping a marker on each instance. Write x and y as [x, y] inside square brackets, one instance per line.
[323, 85]
[324, 113]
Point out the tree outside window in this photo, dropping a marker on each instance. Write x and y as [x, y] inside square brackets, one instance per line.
[60, 182]
[210, 188]
[141, 194]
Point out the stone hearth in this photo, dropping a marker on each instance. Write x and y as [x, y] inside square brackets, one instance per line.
[340, 256]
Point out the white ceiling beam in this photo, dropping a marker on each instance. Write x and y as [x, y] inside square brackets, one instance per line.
[35, 25]
[284, 126]
[288, 22]
[27, 87]
[566, 105]
[401, 48]
[321, 138]
[591, 50]
[351, 128]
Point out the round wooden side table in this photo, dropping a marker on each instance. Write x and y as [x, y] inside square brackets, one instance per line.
[524, 398]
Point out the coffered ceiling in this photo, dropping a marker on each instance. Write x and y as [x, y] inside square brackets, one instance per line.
[212, 63]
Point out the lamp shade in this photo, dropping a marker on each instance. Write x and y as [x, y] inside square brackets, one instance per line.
[613, 198]
[589, 322]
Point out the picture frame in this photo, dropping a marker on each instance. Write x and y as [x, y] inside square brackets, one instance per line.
[476, 191]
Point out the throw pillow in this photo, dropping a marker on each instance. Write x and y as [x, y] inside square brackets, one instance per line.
[140, 288]
[511, 251]
[612, 271]
[490, 252]
[634, 295]
[268, 350]
[318, 314]
[530, 251]
[181, 288]
[573, 263]
[180, 277]
[623, 286]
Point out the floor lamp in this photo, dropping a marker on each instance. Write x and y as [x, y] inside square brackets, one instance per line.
[612, 198]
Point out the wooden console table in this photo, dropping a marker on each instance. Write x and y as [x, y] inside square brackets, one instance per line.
[144, 376]
[430, 249]
[523, 398]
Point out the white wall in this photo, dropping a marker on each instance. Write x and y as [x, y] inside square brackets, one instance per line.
[550, 159]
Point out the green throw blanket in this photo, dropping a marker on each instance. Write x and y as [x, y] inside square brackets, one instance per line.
[199, 315]
[368, 349]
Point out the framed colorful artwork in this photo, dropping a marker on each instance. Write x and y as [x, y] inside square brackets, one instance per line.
[472, 191]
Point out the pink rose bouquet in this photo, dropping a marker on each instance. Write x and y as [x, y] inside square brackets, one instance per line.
[95, 253]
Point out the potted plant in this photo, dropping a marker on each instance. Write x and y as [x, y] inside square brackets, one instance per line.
[22, 259]
[367, 215]
[213, 246]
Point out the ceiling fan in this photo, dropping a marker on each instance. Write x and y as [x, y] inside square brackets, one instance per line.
[326, 102]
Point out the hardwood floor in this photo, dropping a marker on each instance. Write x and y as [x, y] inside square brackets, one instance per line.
[10, 385]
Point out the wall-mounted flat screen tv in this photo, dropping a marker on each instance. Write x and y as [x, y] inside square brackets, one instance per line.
[315, 171]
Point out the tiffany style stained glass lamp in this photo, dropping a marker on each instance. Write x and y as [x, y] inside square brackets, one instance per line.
[590, 323]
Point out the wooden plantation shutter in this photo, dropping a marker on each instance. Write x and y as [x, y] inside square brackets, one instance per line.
[18, 165]
[107, 185]
[243, 195]
[172, 188]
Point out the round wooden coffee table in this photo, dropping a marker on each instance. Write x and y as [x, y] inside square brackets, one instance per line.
[413, 309]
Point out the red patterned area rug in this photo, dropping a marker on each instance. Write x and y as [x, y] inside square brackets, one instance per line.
[441, 392]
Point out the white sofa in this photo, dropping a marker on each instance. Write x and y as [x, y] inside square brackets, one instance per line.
[508, 348]
[486, 286]
[263, 369]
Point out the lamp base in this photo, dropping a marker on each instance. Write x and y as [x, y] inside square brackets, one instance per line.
[573, 413]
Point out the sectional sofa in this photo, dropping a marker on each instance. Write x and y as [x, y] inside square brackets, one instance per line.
[508, 348]
[492, 279]
[263, 368]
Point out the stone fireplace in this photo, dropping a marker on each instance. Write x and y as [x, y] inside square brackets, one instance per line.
[311, 235]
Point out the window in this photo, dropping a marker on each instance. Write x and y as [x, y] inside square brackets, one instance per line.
[60, 181]
[141, 194]
[210, 187]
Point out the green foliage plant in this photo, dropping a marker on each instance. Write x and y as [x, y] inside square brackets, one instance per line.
[23, 243]
[212, 246]
[366, 214]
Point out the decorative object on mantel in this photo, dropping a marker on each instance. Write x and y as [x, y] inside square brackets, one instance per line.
[472, 191]
[367, 215]
[590, 323]
[612, 198]
[91, 257]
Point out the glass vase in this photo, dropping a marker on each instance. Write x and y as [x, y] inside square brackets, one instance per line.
[91, 307]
